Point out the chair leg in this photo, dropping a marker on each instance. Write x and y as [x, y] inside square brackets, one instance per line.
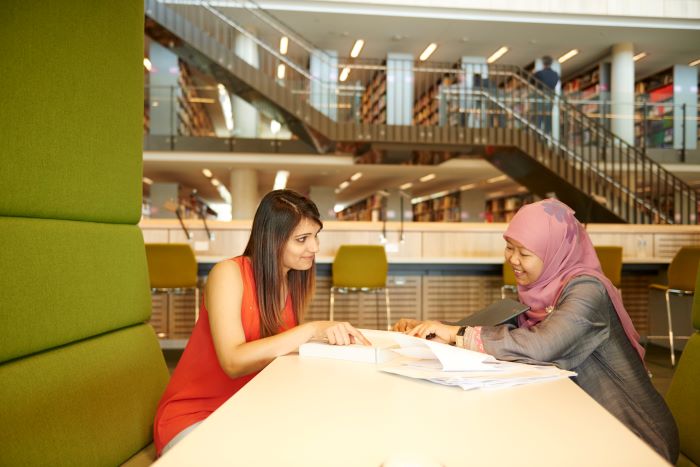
[330, 316]
[388, 309]
[670, 328]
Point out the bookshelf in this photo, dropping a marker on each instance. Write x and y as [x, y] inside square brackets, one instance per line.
[443, 209]
[592, 84]
[368, 209]
[503, 208]
[426, 109]
[373, 102]
[192, 117]
[654, 123]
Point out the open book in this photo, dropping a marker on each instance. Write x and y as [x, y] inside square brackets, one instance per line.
[378, 352]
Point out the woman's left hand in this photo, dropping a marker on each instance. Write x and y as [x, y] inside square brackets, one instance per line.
[441, 332]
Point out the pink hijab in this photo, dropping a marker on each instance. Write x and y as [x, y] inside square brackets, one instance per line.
[549, 229]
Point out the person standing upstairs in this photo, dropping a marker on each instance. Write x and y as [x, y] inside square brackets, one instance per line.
[550, 79]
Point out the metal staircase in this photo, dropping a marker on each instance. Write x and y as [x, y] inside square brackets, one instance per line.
[503, 118]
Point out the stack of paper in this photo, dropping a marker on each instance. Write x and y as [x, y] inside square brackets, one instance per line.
[454, 366]
[378, 352]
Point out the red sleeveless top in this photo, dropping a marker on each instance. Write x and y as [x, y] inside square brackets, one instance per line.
[199, 386]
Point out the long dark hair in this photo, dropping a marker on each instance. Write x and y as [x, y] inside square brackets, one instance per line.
[277, 216]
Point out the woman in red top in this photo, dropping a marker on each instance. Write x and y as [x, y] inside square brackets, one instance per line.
[250, 314]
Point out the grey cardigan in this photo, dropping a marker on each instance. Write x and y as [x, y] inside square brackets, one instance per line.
[583, 334]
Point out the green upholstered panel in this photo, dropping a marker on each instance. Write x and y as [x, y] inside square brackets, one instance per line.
[360, 266]
[696, 303]
[90, 403]
[72, 106]
[66, 280]
[683, 398]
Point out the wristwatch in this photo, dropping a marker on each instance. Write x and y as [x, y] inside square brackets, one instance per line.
[459, 338]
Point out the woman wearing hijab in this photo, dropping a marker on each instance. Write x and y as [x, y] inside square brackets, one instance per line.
[576, 321]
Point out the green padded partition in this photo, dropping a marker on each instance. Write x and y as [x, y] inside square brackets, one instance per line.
[683, 394]
[66, 280]
[90, 403]
[72, 109]
[80, 373]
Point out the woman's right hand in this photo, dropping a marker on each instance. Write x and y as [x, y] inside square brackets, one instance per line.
[338, 333]
[406, 324]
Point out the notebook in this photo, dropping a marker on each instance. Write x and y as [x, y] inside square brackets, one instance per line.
[496, 313]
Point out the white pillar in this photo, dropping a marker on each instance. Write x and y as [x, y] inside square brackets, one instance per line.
[324, 86]
[324, 198]
[622, 91]
[245, 116]
[399, 89]
[244, 193]
[164, 88]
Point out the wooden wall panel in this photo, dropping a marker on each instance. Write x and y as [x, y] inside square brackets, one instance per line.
[367, 310]
[451, 298]
[181, 315]
[666, 246]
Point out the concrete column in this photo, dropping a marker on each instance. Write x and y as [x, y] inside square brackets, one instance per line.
[245, 116]
[399, 89]
[244, 193]
[324, 198]
[324, 96]
[163, 91]
[622, 91]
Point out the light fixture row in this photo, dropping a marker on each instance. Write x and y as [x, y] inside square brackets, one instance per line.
[346, 183]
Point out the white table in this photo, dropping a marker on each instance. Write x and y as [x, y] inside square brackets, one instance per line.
[322, 412]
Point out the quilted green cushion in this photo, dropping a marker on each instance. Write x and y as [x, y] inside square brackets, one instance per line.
[683, 398]
[64, 281]
[90, 403]
[72, 109]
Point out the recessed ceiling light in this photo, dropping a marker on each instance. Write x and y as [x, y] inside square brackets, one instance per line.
[466, 187]
[344, 74]
[215, 182]
[356, 176]
[500, 178]
[207, 173]
[428, 51]
[694, 62]
[427, 178]
[640, 56]
[497, 54]
[568, 55]
[406, 186]
[281, 70]
[147, 181]
[357, 48]
[147, 64]
[344, 185]
[284, 44]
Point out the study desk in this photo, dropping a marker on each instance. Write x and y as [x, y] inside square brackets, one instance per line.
[322, 412]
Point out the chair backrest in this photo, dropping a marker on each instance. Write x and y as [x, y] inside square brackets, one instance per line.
[684, 268]
[610, 258]
[683, 394]
[508, 275]
[171, 265]
[360, 266]
[81, 373]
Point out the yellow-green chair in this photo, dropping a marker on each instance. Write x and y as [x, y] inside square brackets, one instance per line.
[360, 268]
[509, 283]
[683, 396]
[681, 281]
[172, 270]
[610, 258]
